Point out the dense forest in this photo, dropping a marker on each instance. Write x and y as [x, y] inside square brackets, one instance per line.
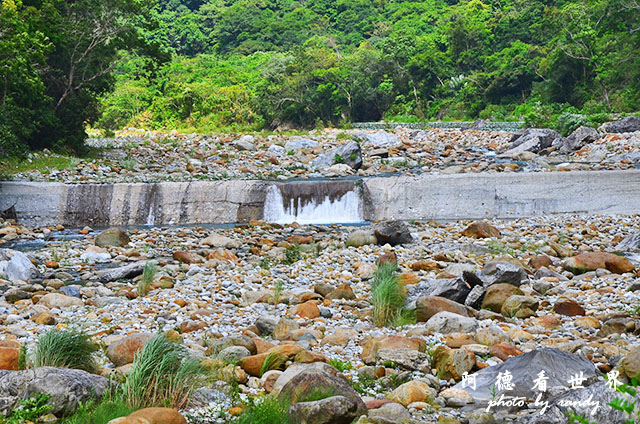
[221, 65]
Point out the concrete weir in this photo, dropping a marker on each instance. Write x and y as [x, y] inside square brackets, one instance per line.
[422, 197]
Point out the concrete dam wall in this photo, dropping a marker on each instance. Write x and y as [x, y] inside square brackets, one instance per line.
[422, 197]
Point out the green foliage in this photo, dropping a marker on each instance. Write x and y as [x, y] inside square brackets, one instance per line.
[277, 291]
[67, 349]
[148, 275]
[340, 365]
[272, 361]
[387, 296]
[57, 59]
[100, 412]
[569, 122]
[162, 374]
[292, 254]
[268, 410]
[23, 358]
[29, 410]
[627, 404]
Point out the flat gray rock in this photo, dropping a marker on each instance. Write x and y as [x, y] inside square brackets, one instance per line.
[67, 388]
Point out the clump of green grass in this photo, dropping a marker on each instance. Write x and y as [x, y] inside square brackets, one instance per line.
[387, 296]
[148, 275]
[162, 374]
[100, 412]
[277, 291]
[341, 366]
[273, 361]
[66, 349]
[292, 254]
[269, 410]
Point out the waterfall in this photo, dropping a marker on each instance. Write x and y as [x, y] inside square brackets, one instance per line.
[324, 202]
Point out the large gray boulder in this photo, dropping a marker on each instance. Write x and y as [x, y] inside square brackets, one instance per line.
[631, 243]
[558, 366]
[331, 410]
[379, 139]
[349, 154]
[301, 382]
[67, 388]
[455, 289]
[624, 125]
[580, 138]
[447, 322]
[393, 233]
[17, 266]
[496, 272]
[300, 143]
[592, 402]
[532, 140]
[127, 271]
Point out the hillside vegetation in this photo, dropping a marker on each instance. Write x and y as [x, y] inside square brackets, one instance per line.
[245, 65]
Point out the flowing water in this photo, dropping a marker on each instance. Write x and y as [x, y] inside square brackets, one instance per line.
[314, 202]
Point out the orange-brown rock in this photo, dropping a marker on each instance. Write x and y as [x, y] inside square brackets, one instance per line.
[190, 326]
[160, 416]
[388, 258]
[9, 357]
[481, 229]
[497, 294]
[568, 307]
[408, 278]
[306, 357]
[371, 346]
[298, 239]
[307, 310]
[590, 261]
[425, 265]
[413, 391]
[253, 364]
[453, 363]
[187, 257]
[504, 351]
[539, 261]
[343, 291]
[123, 351]
[223, 255]
[547, 321]
[428, 306]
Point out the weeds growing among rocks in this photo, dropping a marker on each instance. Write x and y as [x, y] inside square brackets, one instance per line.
[148, 275]
[387, 296]
[162, 373]
[66, 349]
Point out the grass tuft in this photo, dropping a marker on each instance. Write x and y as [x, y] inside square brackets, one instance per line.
[66, 349]
[387, 296]
[272, 361]
[162, 374]
[269, 410]
[148, 274]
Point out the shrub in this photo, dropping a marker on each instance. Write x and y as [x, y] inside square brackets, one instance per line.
[162, 374]
[569, 122]
[67, 349]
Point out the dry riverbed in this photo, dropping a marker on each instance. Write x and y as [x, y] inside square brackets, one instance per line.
[232, 294]
[145, 156]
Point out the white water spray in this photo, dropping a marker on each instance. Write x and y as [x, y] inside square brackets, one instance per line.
[320, 209]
